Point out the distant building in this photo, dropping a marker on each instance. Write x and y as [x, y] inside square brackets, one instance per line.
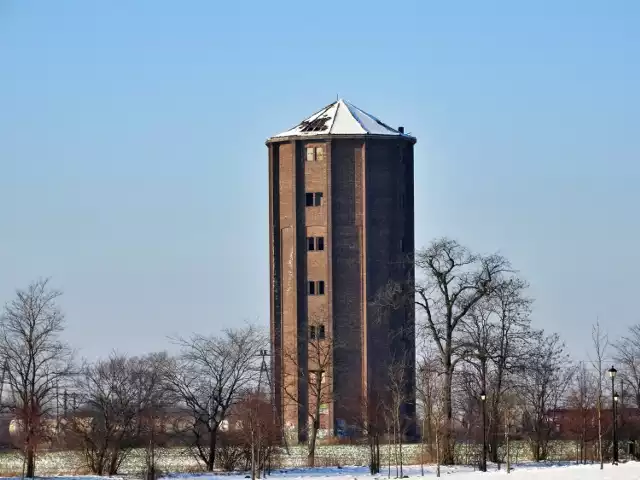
[341, 224]
[572, 423]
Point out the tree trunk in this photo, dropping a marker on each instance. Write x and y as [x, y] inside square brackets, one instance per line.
[437, 452]
[508, 451]
[113, 463]
[374, 452]
[389, 453]
[253, 458]
[494, 439]
[211, 460]
[311, 457]
[400, 450]
[535, 450]
[448, 440]
[395, 447]
[422, 446]
[600, 455]
[372, 467]
[31, 462]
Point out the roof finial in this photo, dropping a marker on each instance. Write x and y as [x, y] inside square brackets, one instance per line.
[337, 97]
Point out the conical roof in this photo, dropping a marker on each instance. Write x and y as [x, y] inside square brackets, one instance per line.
[341, 118]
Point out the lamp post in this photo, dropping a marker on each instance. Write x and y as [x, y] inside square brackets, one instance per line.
[614, 397]
[483, 398]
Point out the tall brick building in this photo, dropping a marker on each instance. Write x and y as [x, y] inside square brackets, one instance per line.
[341, 221]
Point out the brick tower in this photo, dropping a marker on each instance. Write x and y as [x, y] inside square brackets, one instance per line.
[341, 222]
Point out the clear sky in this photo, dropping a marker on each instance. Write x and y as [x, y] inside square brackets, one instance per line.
[133, 168]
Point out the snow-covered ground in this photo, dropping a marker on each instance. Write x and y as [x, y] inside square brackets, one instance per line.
[628, 471]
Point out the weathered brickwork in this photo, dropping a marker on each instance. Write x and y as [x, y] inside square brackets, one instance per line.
[346, 241]
[366, 221]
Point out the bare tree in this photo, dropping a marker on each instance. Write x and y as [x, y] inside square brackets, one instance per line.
[439, 415]
[317, 373]
[600, 344]
[627, 355]
[427, 395]
[509, 412]
[209, 376]
[497, 334]
[154, 400]
[398, 398]
[120, 399]
[451, 281]
[582, 399]
[259, 430]
[371, 422]
[36, 360]
[546, 378]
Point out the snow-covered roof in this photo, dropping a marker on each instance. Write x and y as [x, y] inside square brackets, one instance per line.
[341, 118]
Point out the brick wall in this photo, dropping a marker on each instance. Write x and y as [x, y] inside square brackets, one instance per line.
[346, 227]
[367, 222]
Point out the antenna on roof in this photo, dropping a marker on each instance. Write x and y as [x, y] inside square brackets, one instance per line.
[337, 97]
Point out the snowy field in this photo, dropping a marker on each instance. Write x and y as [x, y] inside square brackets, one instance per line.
[329, 460]
[628, 471]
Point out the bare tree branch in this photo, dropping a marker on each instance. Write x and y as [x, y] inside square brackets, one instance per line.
[36, 360]
[209, 376]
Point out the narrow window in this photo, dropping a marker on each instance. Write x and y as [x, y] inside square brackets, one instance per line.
[320, 287]
[312, 332]
[311, 244]
[318, 199]
[311, 287]
[319, 154]
[321, 332]
[310, 157]
[309, 199]
[320, 243]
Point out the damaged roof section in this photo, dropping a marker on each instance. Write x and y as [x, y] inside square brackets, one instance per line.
[341, 118]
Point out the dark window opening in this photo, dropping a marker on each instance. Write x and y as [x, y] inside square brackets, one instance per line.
[313, 199]
[312, 332]
[315, 288]
[402, 201]
[315, 243]
[321, 332]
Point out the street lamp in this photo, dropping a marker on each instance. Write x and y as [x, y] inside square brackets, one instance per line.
[483, 398]
[614, 395]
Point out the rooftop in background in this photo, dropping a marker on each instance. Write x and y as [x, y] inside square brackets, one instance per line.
[342, 118]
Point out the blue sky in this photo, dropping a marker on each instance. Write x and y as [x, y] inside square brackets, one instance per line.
[133, 168]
